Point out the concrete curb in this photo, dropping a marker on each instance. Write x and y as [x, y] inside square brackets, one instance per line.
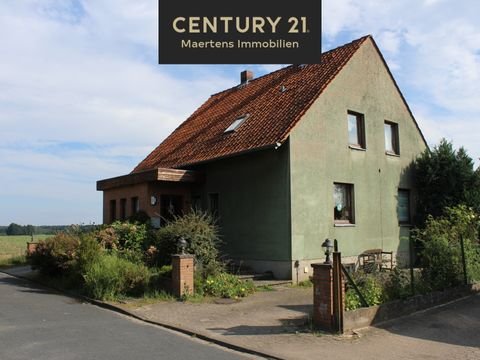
[111, 307]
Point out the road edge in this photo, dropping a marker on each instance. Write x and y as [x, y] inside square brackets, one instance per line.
[125, 312]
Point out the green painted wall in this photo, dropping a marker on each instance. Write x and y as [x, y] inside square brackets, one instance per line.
[320, 156]
[254, 205]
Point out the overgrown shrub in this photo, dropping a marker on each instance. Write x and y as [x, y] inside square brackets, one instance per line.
[131, 236]
[110, 277]
[227, 286]
[352, 301]
[55, 255]
[89, 251]
[372, 288]
[107, 238]
[201, 233]
[98, 263]
[128, 239]
[151, 256]
[441, 239]
[397, 285]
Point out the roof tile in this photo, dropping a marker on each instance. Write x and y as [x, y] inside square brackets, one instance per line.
[273, 113]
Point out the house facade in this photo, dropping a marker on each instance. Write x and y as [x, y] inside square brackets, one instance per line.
[286, 160]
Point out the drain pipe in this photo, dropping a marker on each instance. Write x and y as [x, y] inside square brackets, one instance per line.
[297, 265]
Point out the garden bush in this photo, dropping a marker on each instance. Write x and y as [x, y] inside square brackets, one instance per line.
[127, 239]
[111, 277]
[227, 286]
[201, 233]
[55, 255]
[88, 252]
[397, 284]
[140, 217]
[131, 237]
[441, 239]
[372, 287]
[107, 238]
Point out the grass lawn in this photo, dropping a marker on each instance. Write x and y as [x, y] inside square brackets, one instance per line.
[12, 248]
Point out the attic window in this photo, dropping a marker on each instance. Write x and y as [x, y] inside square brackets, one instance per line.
[236, 124]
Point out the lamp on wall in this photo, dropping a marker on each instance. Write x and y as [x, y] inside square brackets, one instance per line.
[153, 200]
[327, 246]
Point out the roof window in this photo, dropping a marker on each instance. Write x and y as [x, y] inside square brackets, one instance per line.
[235, 125]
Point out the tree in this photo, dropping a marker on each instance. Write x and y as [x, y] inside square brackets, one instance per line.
[15, 229]
[445, 178]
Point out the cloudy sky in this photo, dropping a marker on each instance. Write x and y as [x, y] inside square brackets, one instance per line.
[82, 97]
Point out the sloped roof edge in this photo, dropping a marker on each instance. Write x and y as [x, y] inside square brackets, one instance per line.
[399, 91]
[200, 138]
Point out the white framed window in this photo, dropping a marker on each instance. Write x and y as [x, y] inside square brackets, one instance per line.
[343, 199]
[236, 124]
[356, 130]
[392, 146]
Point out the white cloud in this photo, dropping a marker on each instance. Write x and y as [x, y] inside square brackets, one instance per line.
[389, 41]
[432, 2]
[84, 72]
[339, 16]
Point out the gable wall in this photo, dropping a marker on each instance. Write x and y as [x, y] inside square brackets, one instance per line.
[320, 156]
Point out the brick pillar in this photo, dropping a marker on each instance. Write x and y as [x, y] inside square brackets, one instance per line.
[31, 247]
[182, 275]
[323, 316]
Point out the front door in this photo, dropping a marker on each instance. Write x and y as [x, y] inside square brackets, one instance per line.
[170, 206]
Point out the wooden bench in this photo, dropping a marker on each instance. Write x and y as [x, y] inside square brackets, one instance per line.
[376, 259]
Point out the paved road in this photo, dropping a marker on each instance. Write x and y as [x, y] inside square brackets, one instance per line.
[38, 324]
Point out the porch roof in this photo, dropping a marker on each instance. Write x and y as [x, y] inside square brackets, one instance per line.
[157, 174]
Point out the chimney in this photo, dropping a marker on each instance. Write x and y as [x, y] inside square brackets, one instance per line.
[246, 76]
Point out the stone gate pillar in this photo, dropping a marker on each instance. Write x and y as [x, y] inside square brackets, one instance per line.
[323, 315]
[182, 275]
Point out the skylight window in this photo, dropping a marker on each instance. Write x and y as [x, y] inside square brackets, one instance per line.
[236, 124]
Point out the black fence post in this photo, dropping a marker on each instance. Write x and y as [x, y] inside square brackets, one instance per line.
[338, 292]
[412, 275]
[464, 261]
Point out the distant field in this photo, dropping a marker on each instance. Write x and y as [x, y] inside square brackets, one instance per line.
[15, 245]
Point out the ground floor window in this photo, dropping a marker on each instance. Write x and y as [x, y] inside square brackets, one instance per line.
[343, 211]
[196, 203]
[123, 209]
[135, 205]
[403, 206]
[113, 210]
[213, 204]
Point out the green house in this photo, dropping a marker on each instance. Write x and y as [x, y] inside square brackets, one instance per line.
[287, 160]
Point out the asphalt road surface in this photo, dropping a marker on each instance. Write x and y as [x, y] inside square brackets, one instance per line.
[36, 323]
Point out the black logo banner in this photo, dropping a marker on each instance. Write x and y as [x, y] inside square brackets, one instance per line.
[239, 32]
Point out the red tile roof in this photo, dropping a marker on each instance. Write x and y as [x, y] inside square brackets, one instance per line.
[272, 113]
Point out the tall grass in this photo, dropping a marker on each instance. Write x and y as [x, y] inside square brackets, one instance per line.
[12, 248]
[111, 277]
